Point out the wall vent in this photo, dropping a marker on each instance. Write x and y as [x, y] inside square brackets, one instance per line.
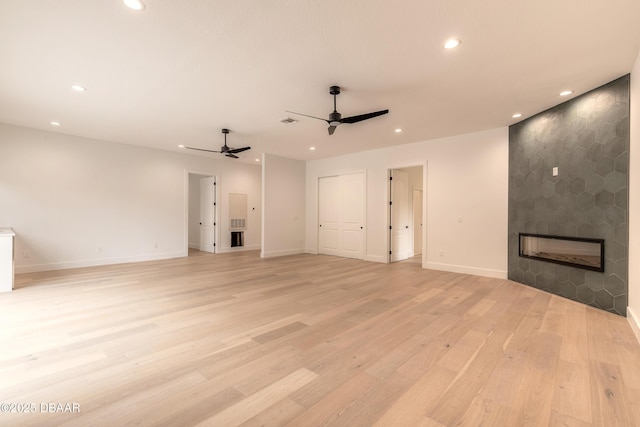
[238, 224]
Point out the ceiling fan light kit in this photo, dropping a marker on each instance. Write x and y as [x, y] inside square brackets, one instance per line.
[335, 118]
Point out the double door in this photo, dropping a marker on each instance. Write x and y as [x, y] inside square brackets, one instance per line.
[341, 215]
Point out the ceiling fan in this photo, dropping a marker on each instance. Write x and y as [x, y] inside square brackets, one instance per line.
[225, 149]
[336, 119]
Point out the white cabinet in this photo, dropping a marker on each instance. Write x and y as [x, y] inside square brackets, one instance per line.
[6, 259]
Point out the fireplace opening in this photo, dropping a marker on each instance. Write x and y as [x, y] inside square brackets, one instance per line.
[572, 251]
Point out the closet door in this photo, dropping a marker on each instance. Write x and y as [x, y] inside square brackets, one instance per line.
[329, 215]
[341, 215]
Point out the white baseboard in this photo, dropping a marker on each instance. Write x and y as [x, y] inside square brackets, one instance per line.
[497, 274]
[634, 321]
[376, 258]
[272, 254]
[238, 249]
[371, 258]
[34, 268]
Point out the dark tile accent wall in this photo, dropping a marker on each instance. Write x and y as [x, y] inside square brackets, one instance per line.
[587, 138]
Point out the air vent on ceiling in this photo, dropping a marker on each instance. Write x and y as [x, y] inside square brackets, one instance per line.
[288, 121]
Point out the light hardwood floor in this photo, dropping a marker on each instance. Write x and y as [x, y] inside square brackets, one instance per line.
[308, 340]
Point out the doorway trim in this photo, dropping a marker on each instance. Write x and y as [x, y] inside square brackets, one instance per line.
[417, 222]
[202, 174]
[387, 209]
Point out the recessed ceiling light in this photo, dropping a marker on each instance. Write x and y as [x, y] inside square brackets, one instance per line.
[566, 92]
[55, 123]
[452, 43]
[134, 4]
[398, 130]
[257, 160]
[312, 148]
[79, 88]
[181, 146]
[517, 115]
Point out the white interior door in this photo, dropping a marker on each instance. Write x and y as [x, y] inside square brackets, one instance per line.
[400, 217]
[417, 221]
[352, 220]
[208, 214]
[341, 215]
[329, 215]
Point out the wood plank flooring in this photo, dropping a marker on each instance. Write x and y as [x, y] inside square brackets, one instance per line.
[307, 340]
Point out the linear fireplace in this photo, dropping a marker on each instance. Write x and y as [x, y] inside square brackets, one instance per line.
[572, 251]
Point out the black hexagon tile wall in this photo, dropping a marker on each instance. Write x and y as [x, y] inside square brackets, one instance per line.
[587, 139]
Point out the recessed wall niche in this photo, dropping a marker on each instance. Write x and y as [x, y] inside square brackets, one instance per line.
[587, 140]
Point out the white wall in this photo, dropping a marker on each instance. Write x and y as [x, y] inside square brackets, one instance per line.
[465, 176]
[243, 179]
[633, 310]
[76, 202]
[283, 189]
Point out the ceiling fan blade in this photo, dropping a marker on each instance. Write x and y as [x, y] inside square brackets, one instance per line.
[238, 150]
[233, 156]
[332, 129]
[361, 117]
[306, 115]
[202, 149]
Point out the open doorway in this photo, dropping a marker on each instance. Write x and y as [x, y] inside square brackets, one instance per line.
[202, 213]
[405, 213]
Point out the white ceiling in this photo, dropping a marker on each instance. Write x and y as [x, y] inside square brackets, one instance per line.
[181, 70]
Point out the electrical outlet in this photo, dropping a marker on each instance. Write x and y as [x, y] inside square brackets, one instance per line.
[26, 254]
[441, 252]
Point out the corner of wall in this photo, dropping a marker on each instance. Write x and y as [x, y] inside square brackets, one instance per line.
[633, 309]
[634, 321]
